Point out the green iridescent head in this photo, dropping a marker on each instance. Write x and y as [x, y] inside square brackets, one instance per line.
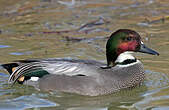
[124, 40]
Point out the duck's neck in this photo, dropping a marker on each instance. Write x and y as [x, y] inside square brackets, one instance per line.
[111, 59]
[122, 59]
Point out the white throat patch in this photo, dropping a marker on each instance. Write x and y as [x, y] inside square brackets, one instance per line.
[124, 56]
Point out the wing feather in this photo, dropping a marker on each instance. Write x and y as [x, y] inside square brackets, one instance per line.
[30, 68]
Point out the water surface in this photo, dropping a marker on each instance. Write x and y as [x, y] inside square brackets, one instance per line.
[49, 29]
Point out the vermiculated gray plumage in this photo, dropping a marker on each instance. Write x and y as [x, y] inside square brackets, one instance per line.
[88, 78]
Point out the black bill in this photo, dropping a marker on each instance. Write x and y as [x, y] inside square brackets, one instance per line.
[147, 50]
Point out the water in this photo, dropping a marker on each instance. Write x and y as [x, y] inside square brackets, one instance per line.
[48, 29]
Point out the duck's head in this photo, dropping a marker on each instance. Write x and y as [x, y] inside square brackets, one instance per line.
[124, 40]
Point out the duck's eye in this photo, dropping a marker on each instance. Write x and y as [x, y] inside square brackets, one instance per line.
[129, 38]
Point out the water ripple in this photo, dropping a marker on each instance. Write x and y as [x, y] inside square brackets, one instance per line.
[21, 53]
[4, 46]
[158, 85]
[24, 102]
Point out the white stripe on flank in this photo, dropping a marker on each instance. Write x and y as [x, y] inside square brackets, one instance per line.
[34, 78]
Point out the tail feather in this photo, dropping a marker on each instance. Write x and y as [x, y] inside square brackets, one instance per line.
[9, 67]
[24, 70]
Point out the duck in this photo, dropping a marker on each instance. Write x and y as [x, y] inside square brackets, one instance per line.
[86, 77]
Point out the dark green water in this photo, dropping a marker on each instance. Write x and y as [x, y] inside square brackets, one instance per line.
[48, 29]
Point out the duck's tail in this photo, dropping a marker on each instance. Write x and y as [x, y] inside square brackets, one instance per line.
[9, 67]
[1, 67]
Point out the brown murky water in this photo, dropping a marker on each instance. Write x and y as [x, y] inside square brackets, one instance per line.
[53, 28]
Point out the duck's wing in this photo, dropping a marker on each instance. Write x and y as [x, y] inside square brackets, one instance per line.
[25, 69]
